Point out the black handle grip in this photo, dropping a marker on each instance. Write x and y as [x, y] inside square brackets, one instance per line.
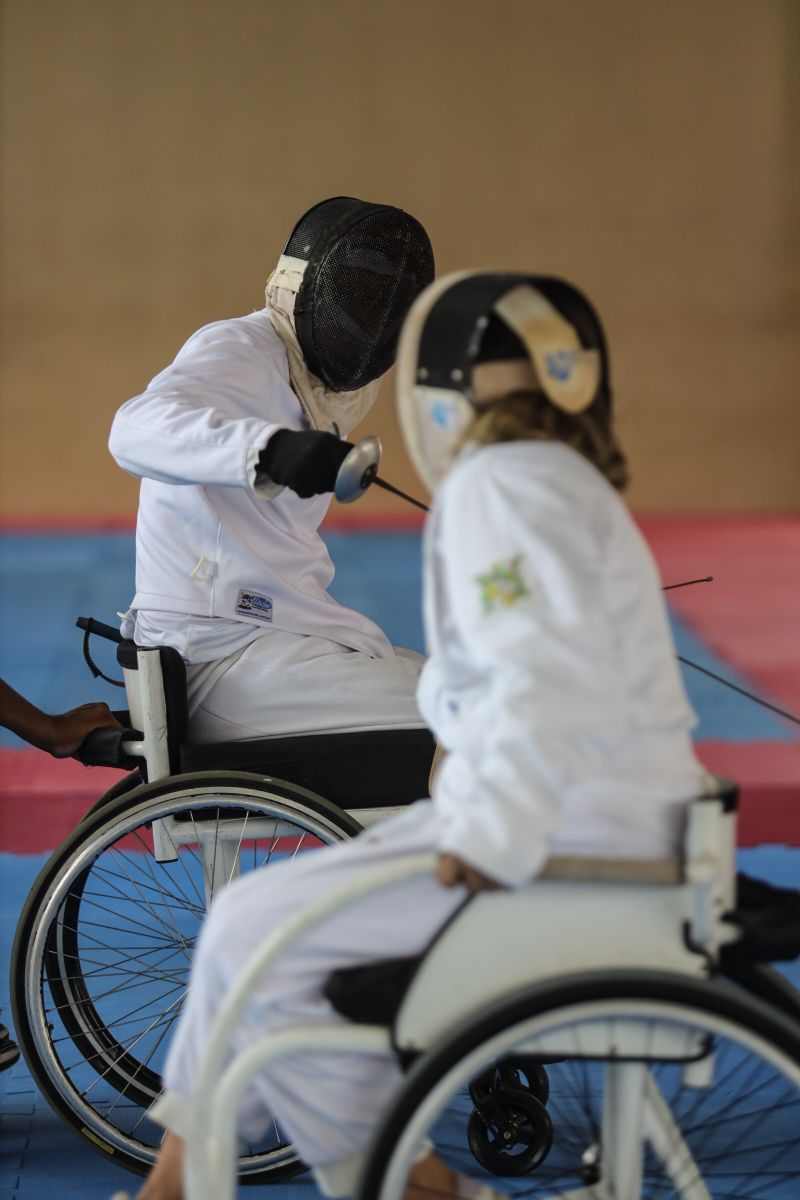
[103, 748]
[98, 628]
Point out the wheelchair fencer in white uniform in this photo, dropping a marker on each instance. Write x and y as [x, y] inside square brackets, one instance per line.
[237, 444]
[235, 636]
[615, 1064]
[571, 994]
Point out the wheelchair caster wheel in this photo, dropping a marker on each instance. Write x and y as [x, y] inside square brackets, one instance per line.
[520, 1071]
[511, 1133]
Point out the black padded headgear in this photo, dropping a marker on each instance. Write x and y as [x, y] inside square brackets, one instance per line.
[367, 263]
[461, 330]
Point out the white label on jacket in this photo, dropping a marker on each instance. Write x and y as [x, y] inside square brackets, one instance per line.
[252, 604]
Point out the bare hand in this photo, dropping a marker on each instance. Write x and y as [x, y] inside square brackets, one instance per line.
[70, 729]
[452, 871]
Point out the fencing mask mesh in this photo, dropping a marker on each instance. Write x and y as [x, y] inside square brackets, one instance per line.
[366, 264]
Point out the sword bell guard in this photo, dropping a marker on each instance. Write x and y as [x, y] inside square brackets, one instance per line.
[358, 470]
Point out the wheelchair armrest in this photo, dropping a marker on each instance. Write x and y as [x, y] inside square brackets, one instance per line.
[104, 748]
[769, 920]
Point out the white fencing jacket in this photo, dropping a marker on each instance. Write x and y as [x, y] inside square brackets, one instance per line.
[552, 679]
[209, 543]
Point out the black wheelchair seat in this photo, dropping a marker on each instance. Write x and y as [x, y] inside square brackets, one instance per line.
[369, 768]
[372, 768]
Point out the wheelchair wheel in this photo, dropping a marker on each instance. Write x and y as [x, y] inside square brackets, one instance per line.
[511, 1134]
[103, 947]
[661, 1087]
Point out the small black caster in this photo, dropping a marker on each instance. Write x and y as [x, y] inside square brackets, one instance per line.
[510, 1131]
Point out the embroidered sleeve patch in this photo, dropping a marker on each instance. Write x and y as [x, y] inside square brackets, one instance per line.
[502, 586]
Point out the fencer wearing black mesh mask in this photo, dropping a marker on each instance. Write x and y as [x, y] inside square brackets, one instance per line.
[238, 443]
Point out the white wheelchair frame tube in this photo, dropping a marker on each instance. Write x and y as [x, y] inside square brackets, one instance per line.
[210, 1159]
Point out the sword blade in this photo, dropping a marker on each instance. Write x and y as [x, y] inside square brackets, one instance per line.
[389, 487]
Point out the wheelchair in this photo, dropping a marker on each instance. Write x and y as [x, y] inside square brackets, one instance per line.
[104, 943]
[617, 1042]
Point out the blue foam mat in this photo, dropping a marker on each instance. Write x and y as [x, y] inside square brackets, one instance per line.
[46, 582]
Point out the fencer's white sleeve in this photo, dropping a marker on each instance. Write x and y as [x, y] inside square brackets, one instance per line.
[194, 423]
[522, 565]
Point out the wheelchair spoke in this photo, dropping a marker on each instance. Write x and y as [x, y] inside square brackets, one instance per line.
[273, 842]
[143, 1066]
[125, 955]
[125, 1016]
[109, 970]
[106, 873]
[200, 907]
[238, 848]
[161, 888]
[97, 946]
[208, 880]
[147, 931]
[133, 983]
[100, 1057]
[212, 880]
[148, 863]
[134, 1042]
[160, 920]
[298, 846]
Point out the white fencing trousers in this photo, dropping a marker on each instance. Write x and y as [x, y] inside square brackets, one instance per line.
[327, 1104]
[283, 683]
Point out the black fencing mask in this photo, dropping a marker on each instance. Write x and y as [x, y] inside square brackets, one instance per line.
[362, 267]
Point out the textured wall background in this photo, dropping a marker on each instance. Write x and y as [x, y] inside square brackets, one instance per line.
[155, 155]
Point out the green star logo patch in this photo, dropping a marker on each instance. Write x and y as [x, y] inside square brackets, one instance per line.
[502, 586]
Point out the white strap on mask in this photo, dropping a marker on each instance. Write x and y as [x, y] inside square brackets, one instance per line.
[334, 412]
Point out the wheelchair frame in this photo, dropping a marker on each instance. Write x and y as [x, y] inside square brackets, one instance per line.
[673, 935]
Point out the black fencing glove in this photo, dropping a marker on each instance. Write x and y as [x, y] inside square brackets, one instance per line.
[307, 461]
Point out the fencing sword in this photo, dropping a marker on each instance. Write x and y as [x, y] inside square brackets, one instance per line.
[359, 471]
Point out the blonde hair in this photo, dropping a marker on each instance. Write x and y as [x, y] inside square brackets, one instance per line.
[529, 416]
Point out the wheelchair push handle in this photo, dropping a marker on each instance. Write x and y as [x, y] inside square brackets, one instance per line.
[90, 626]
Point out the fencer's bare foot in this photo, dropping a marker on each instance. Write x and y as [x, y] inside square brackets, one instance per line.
[430, 1179]
[165, 1181]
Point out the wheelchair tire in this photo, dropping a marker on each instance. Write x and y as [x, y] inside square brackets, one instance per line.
[103, 945]
[121, 788]
[737, 1051]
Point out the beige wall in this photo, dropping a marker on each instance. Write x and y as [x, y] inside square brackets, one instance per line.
[155, 155]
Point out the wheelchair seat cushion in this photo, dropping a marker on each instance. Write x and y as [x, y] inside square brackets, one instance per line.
[371, 768]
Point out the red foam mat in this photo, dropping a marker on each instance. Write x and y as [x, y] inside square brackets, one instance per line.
[768, 774]
[750, 614]
[42, 799]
